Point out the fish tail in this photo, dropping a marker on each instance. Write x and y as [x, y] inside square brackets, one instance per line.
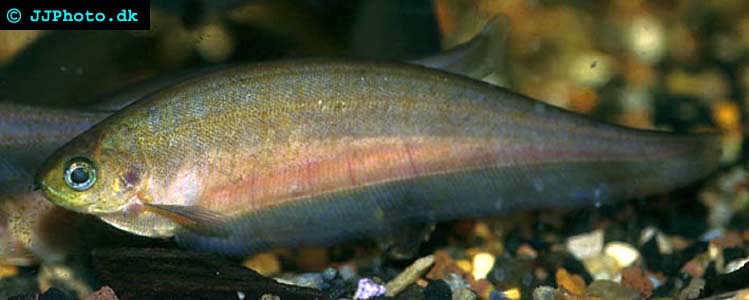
[690, 158]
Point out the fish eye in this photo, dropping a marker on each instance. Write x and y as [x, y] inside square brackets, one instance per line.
[80, 173]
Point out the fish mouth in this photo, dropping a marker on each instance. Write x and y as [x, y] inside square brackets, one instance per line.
[58, 198]
[100, 211]
[53, 195]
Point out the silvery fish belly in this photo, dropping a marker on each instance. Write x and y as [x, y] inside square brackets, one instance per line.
[313, 152]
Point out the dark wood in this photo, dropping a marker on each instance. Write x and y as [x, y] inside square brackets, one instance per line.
[155, 273]
[722, 283]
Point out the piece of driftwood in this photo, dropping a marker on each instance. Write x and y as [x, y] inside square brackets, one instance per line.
[735, 280]
[155, 273]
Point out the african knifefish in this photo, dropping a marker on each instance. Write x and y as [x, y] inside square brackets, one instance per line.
[312, 152]
[30, 226]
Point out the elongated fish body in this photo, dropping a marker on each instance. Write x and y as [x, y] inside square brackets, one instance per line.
[312, 152]
[33, 229]
[28, 134]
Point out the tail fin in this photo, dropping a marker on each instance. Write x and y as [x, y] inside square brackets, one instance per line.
[694, 156]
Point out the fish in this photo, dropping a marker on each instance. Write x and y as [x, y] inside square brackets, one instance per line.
[30, 133]
[313, 152]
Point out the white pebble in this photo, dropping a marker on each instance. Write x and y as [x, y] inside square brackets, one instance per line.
[586, 245]
[624, 254]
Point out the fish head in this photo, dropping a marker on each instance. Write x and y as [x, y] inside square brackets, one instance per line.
[95, 173]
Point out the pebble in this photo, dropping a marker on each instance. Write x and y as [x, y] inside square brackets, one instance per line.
[664, 244]
[727, 115]
[732, 142]
[347, 272]
[105, 293]
[455, 281]
[464, 294]
[586, 245]
[692, 291]
[458, 286]
[646, 39]
[215, 43]
[482, 287]
[412, 292]
[511, 294]
[602, 267]
[443, 265]
[368, 289]
[329, 274]
[464, 265]
[8, 270]
[526, 251]
[482, 265]
[544, 293]
[695, 267]
[591, 69]
[570, 282]
[638, 279]
[510, 272]
[497, 295]
[267, 264]
[624, 254]
[606, 289]
[712, 234]
[736, 264]
[656, 280]
[313, 280]
[409, 275]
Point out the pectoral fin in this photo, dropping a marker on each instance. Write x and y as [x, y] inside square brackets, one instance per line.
[193, 218]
